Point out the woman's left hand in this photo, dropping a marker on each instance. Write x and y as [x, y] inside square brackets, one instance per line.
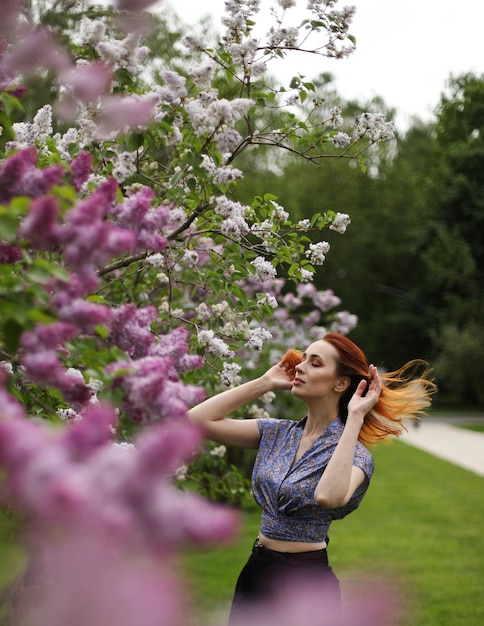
[361, 403]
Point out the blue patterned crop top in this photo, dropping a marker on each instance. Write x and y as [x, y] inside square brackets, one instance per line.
[286, 494]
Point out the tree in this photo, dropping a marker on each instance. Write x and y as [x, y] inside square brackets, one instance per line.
[454, 254]
[127, 263]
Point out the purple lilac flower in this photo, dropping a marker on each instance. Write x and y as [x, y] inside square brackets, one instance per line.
[47, 336]
[63, 293]
[94, 430]
[153, 391]
[81, 167]
[19, 176]
[90, 240]
[136, 214]
[45, 369]
[9, 254]
[79, 480]
[130, 329]
[40, 226]
[85, 315]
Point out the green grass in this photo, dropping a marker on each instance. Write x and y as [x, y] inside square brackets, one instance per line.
[478, 428]
[420, 525]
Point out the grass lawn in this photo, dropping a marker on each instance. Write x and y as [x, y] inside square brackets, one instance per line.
[421, 525]
[478, 428]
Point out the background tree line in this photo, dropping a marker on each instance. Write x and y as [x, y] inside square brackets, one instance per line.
[411, 263]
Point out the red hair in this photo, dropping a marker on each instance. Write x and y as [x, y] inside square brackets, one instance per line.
[406, 393]
[289, 361]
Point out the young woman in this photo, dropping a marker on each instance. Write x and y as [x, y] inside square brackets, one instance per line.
[314, 470]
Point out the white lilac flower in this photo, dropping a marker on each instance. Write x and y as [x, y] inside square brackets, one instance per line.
[267, 298]
[203, 312]
[264, 269]
[176, 216]
[374, 126]
[286, 4]
[317, 252]
[306, 275]
[227, 174]
[6, 366]
[181, 473]
[257, 338]
[335, 117]
[124, 166]
[279, 212]
[63, 142]
[92, 31]
[194, 42]
[190, 258]
[207, 339]
[219, 451]
[203, 73]
[304, 224]
[340, 140]
[157, 260]
[229, 375]
[340, 223]
[68, 415]
[257, 412]
[268, 397]
[227, 139]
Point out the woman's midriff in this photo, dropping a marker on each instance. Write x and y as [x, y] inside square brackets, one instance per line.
[289, 546]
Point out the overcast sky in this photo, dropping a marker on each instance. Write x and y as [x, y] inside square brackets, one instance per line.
[406, 49]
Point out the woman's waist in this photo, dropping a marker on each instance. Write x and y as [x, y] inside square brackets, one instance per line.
[296, 547]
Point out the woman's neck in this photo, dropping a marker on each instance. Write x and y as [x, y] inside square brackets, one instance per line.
[319, 418]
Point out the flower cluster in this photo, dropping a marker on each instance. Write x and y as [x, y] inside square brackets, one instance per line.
[79, 478]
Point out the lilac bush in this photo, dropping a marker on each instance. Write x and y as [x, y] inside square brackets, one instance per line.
[133, 282]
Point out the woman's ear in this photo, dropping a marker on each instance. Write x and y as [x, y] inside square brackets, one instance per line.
[342, 383]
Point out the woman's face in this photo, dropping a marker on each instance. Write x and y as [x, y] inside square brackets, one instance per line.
[316, 374]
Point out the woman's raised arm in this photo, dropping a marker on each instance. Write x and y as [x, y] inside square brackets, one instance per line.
[212, 414]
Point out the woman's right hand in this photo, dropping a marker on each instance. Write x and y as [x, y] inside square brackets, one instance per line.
[278, 378]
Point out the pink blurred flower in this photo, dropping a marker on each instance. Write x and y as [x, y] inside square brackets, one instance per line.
[38, 49]
[94, 430]
[10, 11]
[121, 113]
[87, 82]
[307, 600]
[82, 579]
[78, 480]
[134, 5]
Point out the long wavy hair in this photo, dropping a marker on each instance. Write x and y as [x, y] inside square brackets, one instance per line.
[406, 393]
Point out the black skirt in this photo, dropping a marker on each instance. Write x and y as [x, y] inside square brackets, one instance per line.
[266, 569]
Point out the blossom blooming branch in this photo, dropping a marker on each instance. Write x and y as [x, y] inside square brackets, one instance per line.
[127, 264]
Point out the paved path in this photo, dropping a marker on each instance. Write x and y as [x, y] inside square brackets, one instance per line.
[454, 444]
